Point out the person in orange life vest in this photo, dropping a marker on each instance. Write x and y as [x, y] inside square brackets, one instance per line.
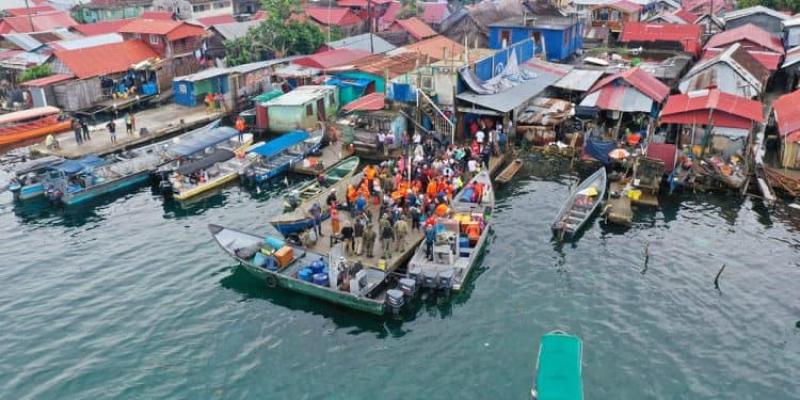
[334, 220]
[431, 190]
[441, 209]
[240, 127]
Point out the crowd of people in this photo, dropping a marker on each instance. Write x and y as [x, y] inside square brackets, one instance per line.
[408, 192]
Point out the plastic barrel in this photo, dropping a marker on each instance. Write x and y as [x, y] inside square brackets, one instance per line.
[275, 243]
[321, 279]
[463, 241]
[317, 266]
[305, 274]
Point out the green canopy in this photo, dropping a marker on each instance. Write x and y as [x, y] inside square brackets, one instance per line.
[265, 97]
[559, 368]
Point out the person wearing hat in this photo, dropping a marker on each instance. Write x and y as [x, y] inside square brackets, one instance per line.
[331, 200]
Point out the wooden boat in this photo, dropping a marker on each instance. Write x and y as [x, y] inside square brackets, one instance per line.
[124, 170]
[459, 239]
[28, 178]
[29, 124]
[274, 158]
[559, 368]
[215, 169]
[508, 172]
[581, 204]
[300, 200]
[367, 287]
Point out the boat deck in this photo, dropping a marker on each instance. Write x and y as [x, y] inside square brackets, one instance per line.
[397, 259]
[159, 122]
[331, 155]
[619, 208]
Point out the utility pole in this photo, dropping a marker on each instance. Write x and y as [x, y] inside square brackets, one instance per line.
[369, 15]
[30, 15]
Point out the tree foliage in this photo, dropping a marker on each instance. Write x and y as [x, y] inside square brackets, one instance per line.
[780, 5]
[277, 36]
[409, 8]
[39, 71]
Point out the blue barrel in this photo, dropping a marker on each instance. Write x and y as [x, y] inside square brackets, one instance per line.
[321, 279]
[260, 260]
[467, 195]
[317, 266]
[305, 274]
[275, 243]
[463, 242]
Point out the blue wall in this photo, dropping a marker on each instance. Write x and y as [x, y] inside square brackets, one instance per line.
[559, 43]
[488, 67]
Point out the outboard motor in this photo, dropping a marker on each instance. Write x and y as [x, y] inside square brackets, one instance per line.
[415, 273]
[445, 283]
[395, 301]
[292, 200]
[429, 280]
[165, 188]
[408, 286]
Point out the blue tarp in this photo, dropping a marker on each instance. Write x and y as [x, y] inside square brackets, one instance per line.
[280, 144]
[599, 150]
[71, 167]
[190, 145]
[363, 83]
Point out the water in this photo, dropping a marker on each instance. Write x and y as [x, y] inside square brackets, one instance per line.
[131, 299]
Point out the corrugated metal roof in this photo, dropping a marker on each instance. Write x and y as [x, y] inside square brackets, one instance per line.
[48, 80]
[704, 106]
[434, 47]
[302, 95]
[388, 18]
[512, 98]
[371, 102]
[769, 60]
[105, 59]
[245, 68]
[416, 28]
[742, 75]
[747, 33]
[792, 57]
[579, 80]
[294, 70]
[362, 42]
[639, 79]
[101, 28]
[24, 60]
[686, 35]
[23, 41]
[787, 113]
[44, 21]
[331, 58]
[434, 13]
[745, 12]
[338, 16]
[202, 75]
[234, 30]
[666, 18]
[90, 41]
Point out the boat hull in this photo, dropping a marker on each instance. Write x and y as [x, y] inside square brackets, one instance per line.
[94, 192]
[272, 173]
[316, 291]
[28, 192]
[223, 180]
[14, 137]
[287, 228]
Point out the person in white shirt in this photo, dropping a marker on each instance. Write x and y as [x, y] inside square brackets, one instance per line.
[417, 138]
[382, 142]
[472, 166]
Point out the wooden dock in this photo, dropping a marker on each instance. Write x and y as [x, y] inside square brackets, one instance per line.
[158, 123]
[397, 259]
[331, 154]
[619, 210]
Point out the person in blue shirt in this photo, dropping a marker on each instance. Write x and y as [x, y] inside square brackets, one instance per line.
[361, 204]
[316, 213]
[430, 237]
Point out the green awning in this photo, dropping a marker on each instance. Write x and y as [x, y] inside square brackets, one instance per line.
[265, 97]
[559, 368]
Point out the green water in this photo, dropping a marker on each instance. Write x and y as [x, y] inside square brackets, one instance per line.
[130, 299]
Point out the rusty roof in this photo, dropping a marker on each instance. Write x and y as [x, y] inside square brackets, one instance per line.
[416, 28]
[435, 47]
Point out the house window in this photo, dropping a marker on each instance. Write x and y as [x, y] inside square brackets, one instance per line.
[219, 5]
[137, 36]
[427, 83]
[153, 39]
[309, 110]
[505, 38]
[199, 7]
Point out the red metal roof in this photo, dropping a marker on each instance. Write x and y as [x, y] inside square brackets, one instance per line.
[371, 102]
[390, 15]
[750, 37]
[45, 21]
[639, 79]
[685, 15]
[787, 114]
[664, 152]
[416, 28]
[48, 80]
[173, 30]
[711, 106]
[105, 59]
[16, 12]
[685, 34]
[217, 19]
[434, 13]
[769, 60]
[101, 28]
[339, 16]
[331, 58]
[159, 15]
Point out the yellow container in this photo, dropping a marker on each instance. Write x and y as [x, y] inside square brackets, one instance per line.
[634, 194]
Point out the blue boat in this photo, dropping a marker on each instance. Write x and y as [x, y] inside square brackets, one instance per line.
[28, 178]
[276, 156]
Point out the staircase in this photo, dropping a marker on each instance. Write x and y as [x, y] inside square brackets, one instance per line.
[441, 124]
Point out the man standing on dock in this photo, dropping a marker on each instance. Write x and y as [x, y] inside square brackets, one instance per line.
[387, 237]
[85, 129]
[369, 239]
[112, 130]
[316, 215]
[400, 232]
[129, 123]
[76, 127]
[240, 127]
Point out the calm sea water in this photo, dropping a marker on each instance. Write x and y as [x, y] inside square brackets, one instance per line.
[130, 299]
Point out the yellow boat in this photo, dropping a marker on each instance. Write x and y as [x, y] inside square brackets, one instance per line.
[218, 167]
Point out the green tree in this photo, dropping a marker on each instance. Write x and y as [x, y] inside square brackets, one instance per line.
[39, 71]
[278, 35]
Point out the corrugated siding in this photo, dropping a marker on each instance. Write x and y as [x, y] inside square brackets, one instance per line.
[77, 94]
